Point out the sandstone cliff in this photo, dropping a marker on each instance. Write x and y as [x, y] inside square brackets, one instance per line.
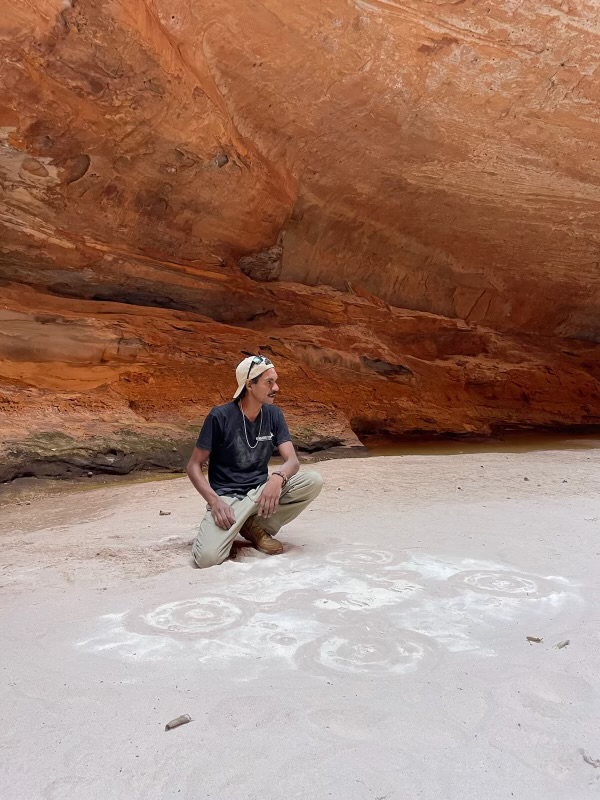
[398, 201]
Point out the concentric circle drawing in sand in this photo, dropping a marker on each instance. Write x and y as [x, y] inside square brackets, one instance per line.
[358, 650]
[360, 557]
[505, 583]
[198, 615]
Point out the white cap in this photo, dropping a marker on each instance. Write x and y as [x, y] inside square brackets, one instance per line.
[249, 368]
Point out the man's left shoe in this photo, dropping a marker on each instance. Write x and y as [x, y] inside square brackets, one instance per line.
[262, 540]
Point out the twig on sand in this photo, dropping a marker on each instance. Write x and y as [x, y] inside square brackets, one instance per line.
[175, 723]
[593, 762]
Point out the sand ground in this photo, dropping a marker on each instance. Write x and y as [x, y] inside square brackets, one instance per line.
[382, 657]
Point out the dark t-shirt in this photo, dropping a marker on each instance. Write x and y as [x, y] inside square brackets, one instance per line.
[234, 467]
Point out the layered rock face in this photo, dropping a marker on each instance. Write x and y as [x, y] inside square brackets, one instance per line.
[396, 201]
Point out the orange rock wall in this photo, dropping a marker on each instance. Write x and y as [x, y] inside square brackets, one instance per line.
[399, 200]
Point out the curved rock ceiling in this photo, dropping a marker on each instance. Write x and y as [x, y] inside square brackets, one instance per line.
[398, 199]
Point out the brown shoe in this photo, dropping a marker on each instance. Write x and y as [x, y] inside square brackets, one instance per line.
[262, 540]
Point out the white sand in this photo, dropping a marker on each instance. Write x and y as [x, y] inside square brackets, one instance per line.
[384, 655]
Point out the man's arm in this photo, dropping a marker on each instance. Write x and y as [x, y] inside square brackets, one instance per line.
[269, 498]
[291, 465]
[222, 513]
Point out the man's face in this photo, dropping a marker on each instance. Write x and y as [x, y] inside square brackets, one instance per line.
[265, 389]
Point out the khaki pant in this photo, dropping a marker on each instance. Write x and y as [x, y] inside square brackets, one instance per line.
[213, 544]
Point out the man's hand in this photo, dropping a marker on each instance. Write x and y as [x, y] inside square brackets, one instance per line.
[269, 498]
[222, 514]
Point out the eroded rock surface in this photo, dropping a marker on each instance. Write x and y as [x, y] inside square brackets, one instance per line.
[398, 201]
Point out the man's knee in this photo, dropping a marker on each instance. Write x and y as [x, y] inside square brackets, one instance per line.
[315, 482]
[206, 557]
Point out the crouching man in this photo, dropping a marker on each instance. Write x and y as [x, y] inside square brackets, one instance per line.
[238, 439]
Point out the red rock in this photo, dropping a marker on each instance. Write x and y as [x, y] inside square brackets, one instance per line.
[398, 202]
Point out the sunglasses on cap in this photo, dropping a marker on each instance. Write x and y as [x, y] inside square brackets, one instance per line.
[258, 360]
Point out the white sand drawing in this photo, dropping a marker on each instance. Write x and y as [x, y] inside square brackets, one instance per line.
[501, 583]
[359, 556]
[199, 615]
[339, 634]
[367, 649]
[359, 594]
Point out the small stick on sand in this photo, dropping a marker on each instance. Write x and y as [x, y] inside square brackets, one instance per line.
[593, 762]
[175, 723]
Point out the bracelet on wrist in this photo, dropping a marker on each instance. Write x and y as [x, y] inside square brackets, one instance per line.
[283, 476]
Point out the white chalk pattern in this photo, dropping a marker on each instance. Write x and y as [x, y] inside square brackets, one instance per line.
[261, 618]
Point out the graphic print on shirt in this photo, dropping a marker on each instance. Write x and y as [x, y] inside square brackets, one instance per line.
[249, 458]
